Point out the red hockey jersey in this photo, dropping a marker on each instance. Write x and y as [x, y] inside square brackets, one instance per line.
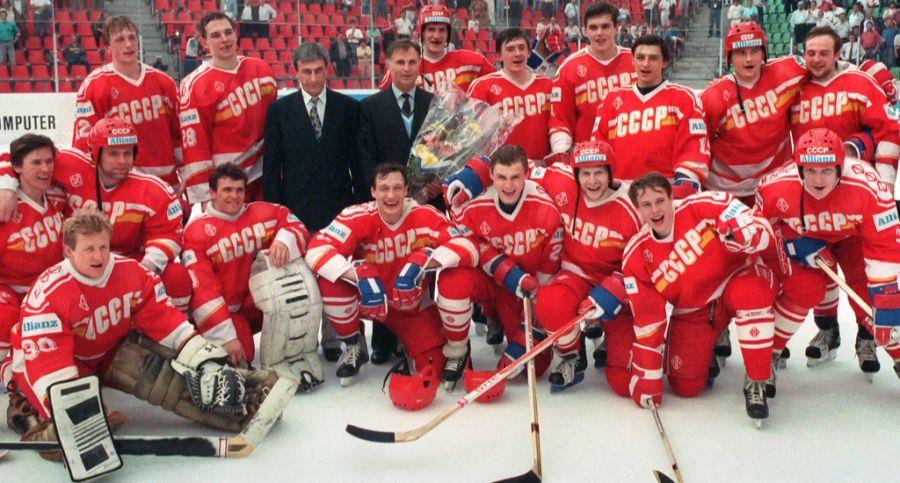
[459, 67]
[150, 103]
[581, 83]
[223, 116]
[32, 240]
[218, 253]
[531, 101]
[749, 125]
[70, 321]
[662, 131]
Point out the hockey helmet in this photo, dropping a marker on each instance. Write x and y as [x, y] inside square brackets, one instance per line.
[472, 379]
[744, 35]
[111, 132]
[413, 392]
[588, 154]
[435, 14]
[819, 148]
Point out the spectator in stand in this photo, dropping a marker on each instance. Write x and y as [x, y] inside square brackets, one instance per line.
[715, 18]
[798, 22]
[735, 12]
[870, 40]
[373, 38]
[380, 8]
[97, 27]
[651, 12]
[230, 7]
[665, 11]
[403, 27]
[869, 5]
[9, 35]
[42, 13]
[543, 23]
[193, 54]
[851, 50]
[341, 56]
[761, 8]
[365, 7]
[255, 18]
[571, 11]
[674, 40]
[479, 11]
[888, 12]
[346, 5]
[473, 24]
[364, 59]
[10, 11]
[750, 13]
[48, 59]
[624, 16]
[856, 17]
[515, 12]
[624, 38]
[75, 53]
[842, 25]
[547, 8]
[354, 37]
[573, 33]
[455, 28]
[886, 47]
[790, 6]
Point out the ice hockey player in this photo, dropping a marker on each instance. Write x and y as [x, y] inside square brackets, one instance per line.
[835, 208]
[371, 263]
[219, 249]
[441, 68]
[585, 78]
[701, 259]
[32, 240]
[516, 89]
[78, 320]
[517, 227]
[136, 92]
[655, 125]
[223, 105]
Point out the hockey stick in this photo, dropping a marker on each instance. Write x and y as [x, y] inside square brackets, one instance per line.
[416, 433]
[846, 288]
[534, 474]
[660, 476]
[211, 446]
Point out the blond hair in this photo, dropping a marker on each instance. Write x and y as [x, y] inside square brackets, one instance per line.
[84, 222]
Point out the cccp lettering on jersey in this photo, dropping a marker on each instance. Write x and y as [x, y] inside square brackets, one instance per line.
[109, 315]
[527, 105]
[438, 81]
[823, 221]
[245, 95]
[685, 252]
[517, 243]
[396, 247]
[139, 110]
[42, 232]
[247, 241]
[597, 89]
[643, 120]
[587, 233]
[759, 107]
[827, 105]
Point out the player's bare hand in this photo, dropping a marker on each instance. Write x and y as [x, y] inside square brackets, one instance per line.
[278, 254]
[433, 189]
[7, 204]
[235, 352]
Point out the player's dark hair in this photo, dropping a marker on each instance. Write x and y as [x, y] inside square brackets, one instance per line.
[597, 9]
[824, 30]
[114, 25]
[508, 35]
[227, 170]
[403, 44]
[652, 181]
[25, 144]
[85, 221]
[651, 39]
[509, 155]
[382, 170]
[212, 17]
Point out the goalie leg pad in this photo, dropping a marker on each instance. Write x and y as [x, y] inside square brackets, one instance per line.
[291, 304]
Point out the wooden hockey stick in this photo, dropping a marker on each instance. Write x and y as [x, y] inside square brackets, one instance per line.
[416, 433]
[534, 474]
[210, 446]
[660, 476]
[846, 288]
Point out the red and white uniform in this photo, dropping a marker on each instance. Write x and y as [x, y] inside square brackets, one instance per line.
[745, 144]
[359, 233]
[457, 67]
[581, 83]
[223, 116]
[662, 131]
[150, 103]
[858, 220]
[849, 103]
[707, 285]
[531, 101]
[218, 252]
[71, 323]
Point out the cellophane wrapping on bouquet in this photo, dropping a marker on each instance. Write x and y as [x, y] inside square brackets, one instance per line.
[456, 128]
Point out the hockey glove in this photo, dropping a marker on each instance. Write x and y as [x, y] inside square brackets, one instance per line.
[805, 250]
[561, 158]
[517, 282]
[214, 386]
[684, 186]
[886, 303]
[739, 233]
[372, 297]
[407, 292]
[646, 375]
[465, 184]
[605, 300]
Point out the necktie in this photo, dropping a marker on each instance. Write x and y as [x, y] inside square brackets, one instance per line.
[314, 117]
[407, 107]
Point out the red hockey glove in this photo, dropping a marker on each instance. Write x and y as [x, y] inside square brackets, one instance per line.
[739, 232]
[646, 375]
[684, 186]
[553, 158]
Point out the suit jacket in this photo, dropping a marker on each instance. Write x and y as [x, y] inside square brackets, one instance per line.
[382, 134]
[314, 179]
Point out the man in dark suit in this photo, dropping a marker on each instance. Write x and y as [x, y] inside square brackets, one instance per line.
[389, 123]
[311, 161]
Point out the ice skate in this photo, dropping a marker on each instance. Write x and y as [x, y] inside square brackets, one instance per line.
[352, 360]
[785, 355]
[480, 321]
[495, 335]
[755, 398]
[773, 379]
[722, 349]
[868, 359]
[457, 355]
[600, 354]
[823, 347]
[569, 371]
[713, 371]
[592, 330]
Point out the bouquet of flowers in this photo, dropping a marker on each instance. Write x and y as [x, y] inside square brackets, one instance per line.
[456, 129]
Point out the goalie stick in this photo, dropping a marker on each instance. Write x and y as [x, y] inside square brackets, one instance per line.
[416, 433]
[211, 446]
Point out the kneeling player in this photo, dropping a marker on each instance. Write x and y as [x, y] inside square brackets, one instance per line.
[385, 243]
[700, 259]
[76, 321]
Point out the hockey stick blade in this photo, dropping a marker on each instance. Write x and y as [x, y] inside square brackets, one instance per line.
[662, 477]
[529, 477]
[214, 447]
[416, 433]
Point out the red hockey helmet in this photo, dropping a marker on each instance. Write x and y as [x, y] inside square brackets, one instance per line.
[744, 35]
[819, 148]
[588, 154]
[413, 392]
[435, 14]
[472, 379]
[111, 132]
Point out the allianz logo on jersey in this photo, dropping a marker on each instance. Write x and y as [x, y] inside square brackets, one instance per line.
[32, 326]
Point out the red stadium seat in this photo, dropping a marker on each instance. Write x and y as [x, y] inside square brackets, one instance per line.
[5, 88]
[93, 58]
[329, 9]
[65, 30]
[270, 56]
[33, 43]
[278, 43]
[43, 87]
[35, 57]
[284, 56]
[4, 72]
[39, 71]
[77, 72]
[245, 44]
[84, 31]
[66, 86]
[262, 43]
[80, 16]
[315, 8]
[22, 87]
[88, 42]
[278, 70]
[20, 71]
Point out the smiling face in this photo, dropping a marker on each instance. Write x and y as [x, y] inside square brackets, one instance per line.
[228, 197]
[115, 163]
[389, 193]
[820, 56]
[404, 68]
[90, 254]
[36, 172]
[221, 40]
[820, 182]
[435, 37]
[657, 210]
[649, 64]
[509, 181]
[601, 31]
[594, 182]
[514, 54]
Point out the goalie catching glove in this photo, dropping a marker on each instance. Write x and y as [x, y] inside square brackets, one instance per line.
[213, 385]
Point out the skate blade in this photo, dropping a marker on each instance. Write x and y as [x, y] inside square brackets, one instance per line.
[450, 386]
[757, 423]
[870, 376]
[555, 388]
[813, 362]
[781, 364]
[349, 381]
[480, 329]
[722, 361]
